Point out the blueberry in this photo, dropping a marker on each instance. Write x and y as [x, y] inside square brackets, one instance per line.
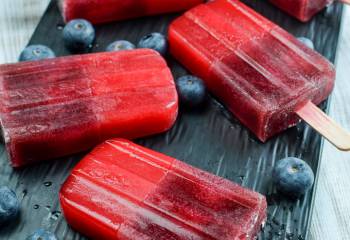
[9, 205]
[307, 42]
[191, 90]
[36, 52]
[293, 177]
[120, 45]
[155, 41]
[42, 234]
[78, 35]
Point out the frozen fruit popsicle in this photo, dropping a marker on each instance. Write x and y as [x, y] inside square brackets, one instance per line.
[125, 191]
[262, 73]
[304, 10]
[55, 107]
[98, 11]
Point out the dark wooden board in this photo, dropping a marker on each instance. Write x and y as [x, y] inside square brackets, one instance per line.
[211, 139]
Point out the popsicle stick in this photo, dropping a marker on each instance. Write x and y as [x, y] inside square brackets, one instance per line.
[326, 126]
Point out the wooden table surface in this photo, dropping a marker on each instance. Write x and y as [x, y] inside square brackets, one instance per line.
[331, 217]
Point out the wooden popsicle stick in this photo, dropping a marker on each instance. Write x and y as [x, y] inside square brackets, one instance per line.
[345, 1]
[326, 126]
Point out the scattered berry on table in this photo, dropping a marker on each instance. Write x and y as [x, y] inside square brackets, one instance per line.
[155, 41]
[36, 52]
[78, 35]
[191, 90]
[293, 177]
[120, 45]
[9, 205]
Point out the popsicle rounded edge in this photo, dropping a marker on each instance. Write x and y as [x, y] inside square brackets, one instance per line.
[165, 122]
[174, 105]
[73, 215]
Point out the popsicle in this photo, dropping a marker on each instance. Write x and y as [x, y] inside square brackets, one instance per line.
[97, 11]
[259, 71]
[124, 191]
[304, 10]
[55, 107]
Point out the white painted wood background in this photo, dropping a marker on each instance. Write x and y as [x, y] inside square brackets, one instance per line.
[331, 217]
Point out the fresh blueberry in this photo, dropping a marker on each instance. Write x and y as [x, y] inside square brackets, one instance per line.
[36, 52]
[307, 42]
[155, 41]
[293, 177]
[78, 35]
[9, 205]
[120, 45]
[42, 234]
[191, 90]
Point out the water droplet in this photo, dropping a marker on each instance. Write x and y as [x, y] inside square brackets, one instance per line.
[36, 206]
[48, 207]
[59, 27]
[278, 233]
[55, 215]
[47, 184]
[24, 193]
[300, 237]
[241, 178]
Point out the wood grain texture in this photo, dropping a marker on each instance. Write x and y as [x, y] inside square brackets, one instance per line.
[331, 217]
[18, 19]
[325, 125]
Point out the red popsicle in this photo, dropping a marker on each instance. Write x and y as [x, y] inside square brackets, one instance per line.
[56, 107]
[99, 11]
[262, 73]
[304, 10]
[124, 191]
